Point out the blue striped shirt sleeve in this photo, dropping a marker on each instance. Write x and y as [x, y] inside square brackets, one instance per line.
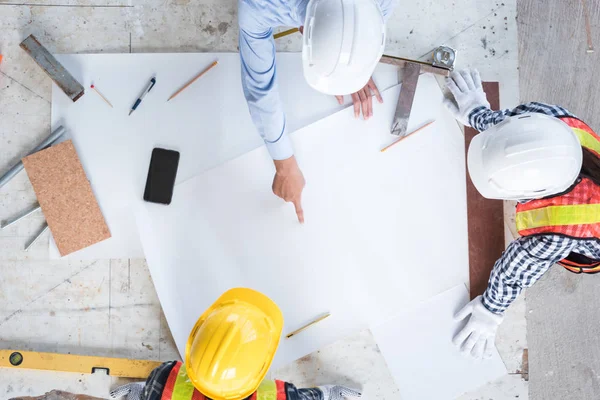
[259, 80]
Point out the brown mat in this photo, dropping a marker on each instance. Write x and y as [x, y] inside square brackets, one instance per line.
[66, 198]
[485, 218]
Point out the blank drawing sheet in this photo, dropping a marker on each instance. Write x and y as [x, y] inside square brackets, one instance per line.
[417, 346]
[383, 231]
[208, 123]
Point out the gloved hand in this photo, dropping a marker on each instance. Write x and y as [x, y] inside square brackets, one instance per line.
[335, 392]
[477, 337]
[468, 92]
[133, 391]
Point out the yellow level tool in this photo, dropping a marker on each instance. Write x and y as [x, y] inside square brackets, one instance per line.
[120, 367]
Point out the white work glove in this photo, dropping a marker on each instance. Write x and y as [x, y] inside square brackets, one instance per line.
[477, 337]
[133, 391]
[468, 92]
[335, 392]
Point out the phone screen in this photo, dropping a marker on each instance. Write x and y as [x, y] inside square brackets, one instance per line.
[161, 176]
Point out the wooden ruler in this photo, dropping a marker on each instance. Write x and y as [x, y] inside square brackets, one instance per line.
[119, 367]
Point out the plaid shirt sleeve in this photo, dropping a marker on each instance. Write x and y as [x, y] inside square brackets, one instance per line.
[521, 265]
[482, 118]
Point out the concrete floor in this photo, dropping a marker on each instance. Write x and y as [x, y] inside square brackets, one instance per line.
[109, 307]
[562, 319]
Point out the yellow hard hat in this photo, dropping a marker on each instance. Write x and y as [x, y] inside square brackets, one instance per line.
[232, 345]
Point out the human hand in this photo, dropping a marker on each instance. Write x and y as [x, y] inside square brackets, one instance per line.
[468, 92]
[364, 99]
[133, 391]
[336, 392]
[288, 184]
[477, 337]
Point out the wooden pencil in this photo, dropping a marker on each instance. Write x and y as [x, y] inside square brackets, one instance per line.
[405, 136]
[193, 80]
[289, 335]
[285, 33]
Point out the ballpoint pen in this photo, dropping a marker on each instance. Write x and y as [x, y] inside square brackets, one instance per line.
[144, 93]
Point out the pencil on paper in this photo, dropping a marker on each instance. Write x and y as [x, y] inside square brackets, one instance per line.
[193, 80]
[101, 95]
[405, 136]
[285, 33]
[289, 335]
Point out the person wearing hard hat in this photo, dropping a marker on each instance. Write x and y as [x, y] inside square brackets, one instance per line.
[343, 41]
[549, 161]
[228, 354]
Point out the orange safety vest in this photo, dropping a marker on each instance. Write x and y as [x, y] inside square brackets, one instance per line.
[574, 213]
[180, 387]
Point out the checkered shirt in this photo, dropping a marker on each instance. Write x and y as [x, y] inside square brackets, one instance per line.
[527, 258]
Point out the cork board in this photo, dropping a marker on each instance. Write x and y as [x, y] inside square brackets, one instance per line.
[66, 198]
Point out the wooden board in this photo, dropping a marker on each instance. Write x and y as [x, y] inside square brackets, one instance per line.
[485, 218]
[66, 198]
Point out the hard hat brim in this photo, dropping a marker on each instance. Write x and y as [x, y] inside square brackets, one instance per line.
[261, 302]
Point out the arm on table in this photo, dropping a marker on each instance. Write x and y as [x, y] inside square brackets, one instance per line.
[522, 264]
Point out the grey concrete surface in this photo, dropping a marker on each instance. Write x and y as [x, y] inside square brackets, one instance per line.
[562, 318]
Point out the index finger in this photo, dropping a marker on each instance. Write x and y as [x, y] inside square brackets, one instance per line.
[299, 210]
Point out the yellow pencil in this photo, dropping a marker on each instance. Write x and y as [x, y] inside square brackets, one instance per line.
[289, 335]
[405, 136]
[285, 33]
[100, 94]
[193, 80]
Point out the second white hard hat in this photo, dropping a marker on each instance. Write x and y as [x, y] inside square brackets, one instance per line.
[343, 41]
[524, 157]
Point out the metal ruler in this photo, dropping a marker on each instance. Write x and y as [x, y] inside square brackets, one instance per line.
[53, 68]
[119, 367]
[443, 63]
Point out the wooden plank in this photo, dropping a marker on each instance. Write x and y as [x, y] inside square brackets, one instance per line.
[485, 218]
[554, 68]
[66, 198]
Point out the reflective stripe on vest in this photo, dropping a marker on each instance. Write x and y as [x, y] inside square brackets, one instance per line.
[575, 213]
[180, 387]
[587, 137]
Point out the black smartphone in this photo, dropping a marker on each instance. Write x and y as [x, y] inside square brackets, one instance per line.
[161, 176]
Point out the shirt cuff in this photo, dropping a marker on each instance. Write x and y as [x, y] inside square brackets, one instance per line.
[282, 149]
[489, 304]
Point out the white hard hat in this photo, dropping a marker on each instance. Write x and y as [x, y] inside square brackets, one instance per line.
[524, 157]
[342, 43]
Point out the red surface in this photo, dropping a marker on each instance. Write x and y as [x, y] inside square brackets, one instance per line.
[485, 218]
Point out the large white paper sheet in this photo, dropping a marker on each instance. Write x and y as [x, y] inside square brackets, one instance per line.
[383, 231]
[208, 123]
[417, 346]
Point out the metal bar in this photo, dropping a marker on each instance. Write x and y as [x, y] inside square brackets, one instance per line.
[49, 141]
[425, 67]
[53, 68]
[19, 217]
[118, 367]
[410, 77]
[37, 236]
